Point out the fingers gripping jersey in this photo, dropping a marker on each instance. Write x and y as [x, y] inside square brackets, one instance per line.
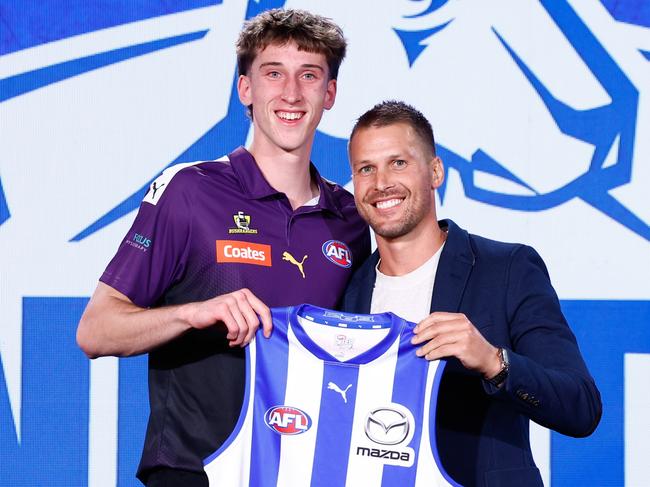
[334, 399]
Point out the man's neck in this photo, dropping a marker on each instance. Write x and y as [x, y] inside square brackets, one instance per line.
[404, 254]
[287, 172]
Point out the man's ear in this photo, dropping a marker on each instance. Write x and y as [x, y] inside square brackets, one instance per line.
[330, 94]
[438, 175]
[244, 90]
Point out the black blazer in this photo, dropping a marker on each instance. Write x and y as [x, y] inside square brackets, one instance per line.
[505, 290]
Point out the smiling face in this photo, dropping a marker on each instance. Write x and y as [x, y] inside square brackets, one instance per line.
[288, 90]
[394, 180]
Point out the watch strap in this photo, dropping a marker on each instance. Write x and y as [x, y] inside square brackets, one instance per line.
[500, 378]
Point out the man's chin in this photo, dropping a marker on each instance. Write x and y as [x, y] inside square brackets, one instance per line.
[389, 232]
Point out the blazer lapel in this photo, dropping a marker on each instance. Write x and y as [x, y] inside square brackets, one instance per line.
[454, 268]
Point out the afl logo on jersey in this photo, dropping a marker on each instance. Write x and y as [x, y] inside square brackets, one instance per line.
[287, 420]
[338, 253]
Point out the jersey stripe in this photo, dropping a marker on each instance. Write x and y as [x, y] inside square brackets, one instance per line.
[375, 386]
[409, 389]
[432, 472]
[333, 444]
[303, 391]
[270, 386]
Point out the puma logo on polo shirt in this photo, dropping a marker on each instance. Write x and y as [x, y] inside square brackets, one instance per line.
[290, 258]
[236, 252]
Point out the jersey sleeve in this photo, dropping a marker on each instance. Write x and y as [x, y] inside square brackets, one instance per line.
[153, 254]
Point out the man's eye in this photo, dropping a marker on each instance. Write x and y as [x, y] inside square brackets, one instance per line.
[273, 74]
[309, 76]
[365, 170]
[399, 163]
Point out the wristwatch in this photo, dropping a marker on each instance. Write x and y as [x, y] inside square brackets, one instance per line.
[500, 378]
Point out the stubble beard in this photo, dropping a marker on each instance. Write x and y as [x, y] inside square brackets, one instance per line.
[413, 215]
[396, 229]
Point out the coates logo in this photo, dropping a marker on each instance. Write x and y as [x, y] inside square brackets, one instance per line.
[287, 420]
[233, 251]
[337, 252]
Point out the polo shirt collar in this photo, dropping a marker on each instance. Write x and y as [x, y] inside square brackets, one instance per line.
[255, 186]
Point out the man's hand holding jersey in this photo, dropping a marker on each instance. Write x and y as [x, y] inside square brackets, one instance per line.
[454, 335]
[113, 325]
[238, 311]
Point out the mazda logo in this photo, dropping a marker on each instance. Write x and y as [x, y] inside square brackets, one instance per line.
[387, 426]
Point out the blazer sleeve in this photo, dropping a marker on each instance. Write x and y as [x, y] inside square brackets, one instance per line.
[548, 379]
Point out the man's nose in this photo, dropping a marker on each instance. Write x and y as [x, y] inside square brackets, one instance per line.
[383, 180]
[291, 92]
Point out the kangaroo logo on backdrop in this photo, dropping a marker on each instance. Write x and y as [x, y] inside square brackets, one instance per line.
[597, 132]
[542, 136]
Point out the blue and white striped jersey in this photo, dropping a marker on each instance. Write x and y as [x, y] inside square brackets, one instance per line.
[334, 399]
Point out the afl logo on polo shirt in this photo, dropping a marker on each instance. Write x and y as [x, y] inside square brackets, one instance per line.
[287, 420]
[338, 253]
[234, 251]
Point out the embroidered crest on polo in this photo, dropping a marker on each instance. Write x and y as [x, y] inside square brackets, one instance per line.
[338, 253]
[243, 224]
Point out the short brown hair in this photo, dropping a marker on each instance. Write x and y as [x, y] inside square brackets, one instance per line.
[391, 112]
[312, 33]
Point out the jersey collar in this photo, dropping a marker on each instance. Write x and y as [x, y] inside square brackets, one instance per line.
[333, 318]
[255, 186]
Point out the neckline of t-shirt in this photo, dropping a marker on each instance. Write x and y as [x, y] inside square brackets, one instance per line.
[415, 277]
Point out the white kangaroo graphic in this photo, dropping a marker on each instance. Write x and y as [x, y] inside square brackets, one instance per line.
[335, 388]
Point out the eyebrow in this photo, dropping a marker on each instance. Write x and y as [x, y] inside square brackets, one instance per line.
[391, 157]
[278, 63]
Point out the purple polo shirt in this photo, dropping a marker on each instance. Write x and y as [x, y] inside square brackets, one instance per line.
[206, 229]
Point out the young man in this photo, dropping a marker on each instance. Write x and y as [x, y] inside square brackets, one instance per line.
[487, 306]
[215, 243]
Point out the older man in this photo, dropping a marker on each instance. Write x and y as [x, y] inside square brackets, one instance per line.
[487, 307]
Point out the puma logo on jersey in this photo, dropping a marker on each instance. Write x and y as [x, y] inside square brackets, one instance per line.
[333, 387]
[155, 188]
[291, 259]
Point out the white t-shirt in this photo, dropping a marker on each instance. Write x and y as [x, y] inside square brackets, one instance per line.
[408, 296]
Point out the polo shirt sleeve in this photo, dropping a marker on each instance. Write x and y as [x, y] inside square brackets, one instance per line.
[153, 254]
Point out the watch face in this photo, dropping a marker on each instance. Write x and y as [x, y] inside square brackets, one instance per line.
[504, 357]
